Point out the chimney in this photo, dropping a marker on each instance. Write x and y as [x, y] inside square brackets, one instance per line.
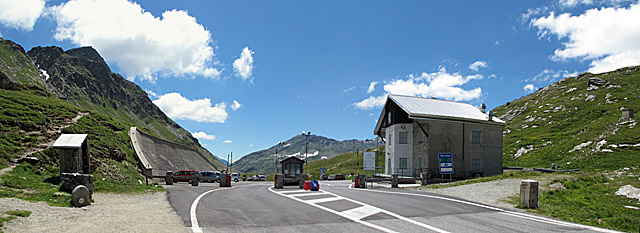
[483, 108]
[490, 116]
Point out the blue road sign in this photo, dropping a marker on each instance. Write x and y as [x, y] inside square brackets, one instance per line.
[446, 163]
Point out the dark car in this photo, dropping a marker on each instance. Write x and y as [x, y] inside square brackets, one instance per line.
[184, 175]
[261, 178]
[340, 177]
[209, 176]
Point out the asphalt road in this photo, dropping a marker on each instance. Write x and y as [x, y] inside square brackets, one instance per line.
[256, 207]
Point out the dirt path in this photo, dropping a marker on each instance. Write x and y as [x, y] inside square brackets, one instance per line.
[109, 213]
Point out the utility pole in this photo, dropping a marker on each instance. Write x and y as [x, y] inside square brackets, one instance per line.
[306, 157]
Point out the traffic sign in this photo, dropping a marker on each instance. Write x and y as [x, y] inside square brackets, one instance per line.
[446, 163]
[369, 161]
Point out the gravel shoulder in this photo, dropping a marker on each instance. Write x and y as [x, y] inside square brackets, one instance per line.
[110, 212]
[493, 193]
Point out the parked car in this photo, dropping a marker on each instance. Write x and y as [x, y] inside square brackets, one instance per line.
[340, 177]
[331, 177]
[235, 177]
[209, 176]
[184, 175]
[261, 178]
[250, 178]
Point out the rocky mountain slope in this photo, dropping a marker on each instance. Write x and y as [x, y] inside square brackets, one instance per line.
[575, 123]
[81, 77]
[263, 161]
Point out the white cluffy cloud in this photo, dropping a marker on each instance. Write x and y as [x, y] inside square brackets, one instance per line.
[477, 65]
[440, 84]
[243, 66]
[529, 88]
[227, 141]
[21, 14]
[372, 87]
[178, 107]
[235, 105]
[139, 43]
[609, 37]
[203, 136]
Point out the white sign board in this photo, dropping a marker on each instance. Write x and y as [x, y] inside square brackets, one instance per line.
[369, 161]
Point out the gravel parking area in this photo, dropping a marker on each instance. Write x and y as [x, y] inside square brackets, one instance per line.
[109, 213]
[492, 193]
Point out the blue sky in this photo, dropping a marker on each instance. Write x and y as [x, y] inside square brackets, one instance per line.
[243, 75]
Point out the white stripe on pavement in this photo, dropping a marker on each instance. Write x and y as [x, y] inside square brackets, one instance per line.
[327, 199]
[192, 213]
[361, 213]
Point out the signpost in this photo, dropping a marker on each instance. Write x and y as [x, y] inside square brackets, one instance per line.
[369, 161]
[446, 164]
[322, 173]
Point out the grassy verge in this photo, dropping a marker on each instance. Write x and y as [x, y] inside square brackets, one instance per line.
[589, 198]
[520, 175]
[13, 214]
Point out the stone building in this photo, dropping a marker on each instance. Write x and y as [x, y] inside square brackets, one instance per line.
[416, 130]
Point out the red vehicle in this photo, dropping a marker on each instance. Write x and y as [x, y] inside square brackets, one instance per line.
[340, 177]
[184, 175]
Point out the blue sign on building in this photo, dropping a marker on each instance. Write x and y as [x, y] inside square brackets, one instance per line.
[446, 163]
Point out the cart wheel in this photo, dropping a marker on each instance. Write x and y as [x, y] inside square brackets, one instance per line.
[80, 196]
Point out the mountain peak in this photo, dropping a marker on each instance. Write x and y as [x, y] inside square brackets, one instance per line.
[87, 53]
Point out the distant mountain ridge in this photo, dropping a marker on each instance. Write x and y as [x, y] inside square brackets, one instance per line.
[263, 161]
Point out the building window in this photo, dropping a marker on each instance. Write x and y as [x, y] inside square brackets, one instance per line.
[403, 163]
[402, 138]
[389, 139]
[476, 164]
[389, 166]
[475, 136]
[389, 118]
[419, 136]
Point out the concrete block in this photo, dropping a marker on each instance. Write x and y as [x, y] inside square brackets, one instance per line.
[223, 181]
[301, 180]
[279, 181]
[394, 180]
[529, 194]
[362, 181]
[194, 181]
[168, 178]
[424, 178]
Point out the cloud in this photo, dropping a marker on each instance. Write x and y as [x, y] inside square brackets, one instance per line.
[250, 145]
[178, 107]
[349, 89]
[227, 141]
[243, 66]
[203, 136]
[477, 65]
[141, 44]
[529, 88]
[21, 14]
[372, 87]
[440, 84]
[609, 37]
[548, 75]
[235, 105]
[151, 93]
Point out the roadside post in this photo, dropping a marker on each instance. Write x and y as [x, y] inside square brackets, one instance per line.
[529, 194]
[168, 178]
[394, 180]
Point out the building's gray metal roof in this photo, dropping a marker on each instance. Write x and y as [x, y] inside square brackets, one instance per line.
[70, 141]
[418, 107]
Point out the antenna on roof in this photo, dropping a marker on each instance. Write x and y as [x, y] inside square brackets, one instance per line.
[483, 108]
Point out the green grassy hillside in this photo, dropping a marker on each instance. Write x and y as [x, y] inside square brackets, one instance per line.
[575, 123]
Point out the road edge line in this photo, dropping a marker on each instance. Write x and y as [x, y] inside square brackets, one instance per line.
[195, 227]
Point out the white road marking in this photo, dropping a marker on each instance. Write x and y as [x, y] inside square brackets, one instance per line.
[195, 228]
[358, 215]
[291, 191]
[361, 212]
[327, 199]
[502, 211]
[306, 194]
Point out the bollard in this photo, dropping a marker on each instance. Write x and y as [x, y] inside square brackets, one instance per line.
[301, 179]
[362, 181]
[223, 180]
[529, 194]
[279, 181]
[356, 181]
[168, 178]
[423, 178]
[394, 180]
[194, 180]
